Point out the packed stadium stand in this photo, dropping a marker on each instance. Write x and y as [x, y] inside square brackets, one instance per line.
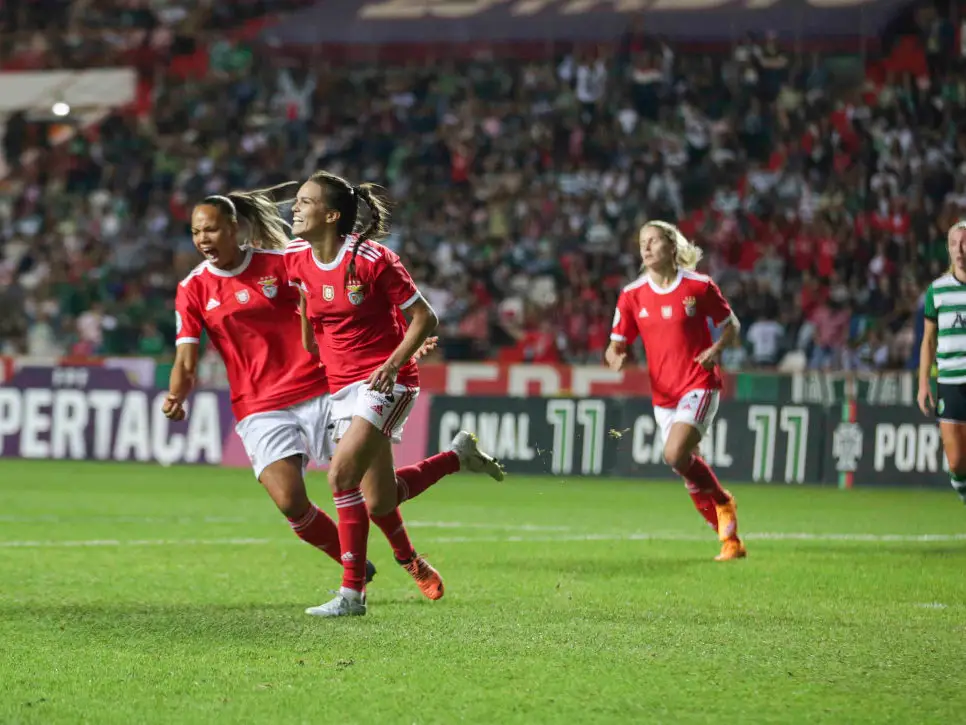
[819, 183]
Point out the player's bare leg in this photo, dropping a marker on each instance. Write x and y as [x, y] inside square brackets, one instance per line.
[285, 483]
[680, 452]
[954, 445]
[356, 449]
[381, 491]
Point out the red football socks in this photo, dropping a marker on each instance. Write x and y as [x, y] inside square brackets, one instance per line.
[704, 504]
[700, 473]
[413, 480]
[395, 530]
[353, 537]
[317, 528]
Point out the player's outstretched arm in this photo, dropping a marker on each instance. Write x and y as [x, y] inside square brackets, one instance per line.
[424, 321]
[182, 380]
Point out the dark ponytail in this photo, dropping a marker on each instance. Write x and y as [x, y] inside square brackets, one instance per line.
[378, 227]
[379, 212]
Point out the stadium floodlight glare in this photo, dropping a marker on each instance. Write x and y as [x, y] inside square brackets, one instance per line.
[60, 109]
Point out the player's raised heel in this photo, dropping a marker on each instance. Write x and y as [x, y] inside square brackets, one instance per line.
[345, 604]
[370, 571]
[467, 447]
[427, 578]
[732, 549]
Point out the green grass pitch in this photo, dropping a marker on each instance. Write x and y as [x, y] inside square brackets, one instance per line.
[138, 594]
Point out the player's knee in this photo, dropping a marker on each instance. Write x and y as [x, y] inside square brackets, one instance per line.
[955, 455]
[676, 456]
[957, 463]
[344, 474]
[285, 485]
[379, 505]
[293, 504]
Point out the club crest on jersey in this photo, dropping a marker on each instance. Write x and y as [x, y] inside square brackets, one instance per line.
[328, 292]
[666, 312]
[690, 306]
[356, 293]
[242, 296]
[269, 286]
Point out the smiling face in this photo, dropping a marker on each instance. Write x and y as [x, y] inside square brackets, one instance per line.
[310, 214]
[215, 236]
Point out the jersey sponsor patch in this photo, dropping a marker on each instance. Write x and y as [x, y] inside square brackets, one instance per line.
[242, 296]
[328, 292]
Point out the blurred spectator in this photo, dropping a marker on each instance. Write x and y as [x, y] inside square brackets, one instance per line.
[766, 337]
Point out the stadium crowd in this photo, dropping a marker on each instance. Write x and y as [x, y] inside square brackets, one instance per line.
[518, 188]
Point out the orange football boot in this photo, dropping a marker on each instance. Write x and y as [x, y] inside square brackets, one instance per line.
[427, 578]
[731, 546]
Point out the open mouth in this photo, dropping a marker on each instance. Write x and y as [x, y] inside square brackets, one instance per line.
[210, 253]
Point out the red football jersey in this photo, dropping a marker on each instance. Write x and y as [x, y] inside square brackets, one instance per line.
[251, 315]
[673, 324]
[357, 322]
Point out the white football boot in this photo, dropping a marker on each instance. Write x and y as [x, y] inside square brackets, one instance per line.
[466, 446]
[347, 603]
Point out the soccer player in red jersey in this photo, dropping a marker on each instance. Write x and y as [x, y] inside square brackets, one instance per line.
[669, 306]
[354, 289]
[280, 394]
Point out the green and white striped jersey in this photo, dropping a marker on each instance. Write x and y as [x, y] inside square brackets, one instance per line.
[946, 306]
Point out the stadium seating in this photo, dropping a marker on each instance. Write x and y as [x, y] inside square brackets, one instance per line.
[518, 186]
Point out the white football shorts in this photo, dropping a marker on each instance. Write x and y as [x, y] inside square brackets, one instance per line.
[388, 413]
[697, 408]
[301, 429]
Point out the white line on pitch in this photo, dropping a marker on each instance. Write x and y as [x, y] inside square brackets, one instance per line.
[767, 536]
[268, 519]
[641, 536]
[131, 542]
